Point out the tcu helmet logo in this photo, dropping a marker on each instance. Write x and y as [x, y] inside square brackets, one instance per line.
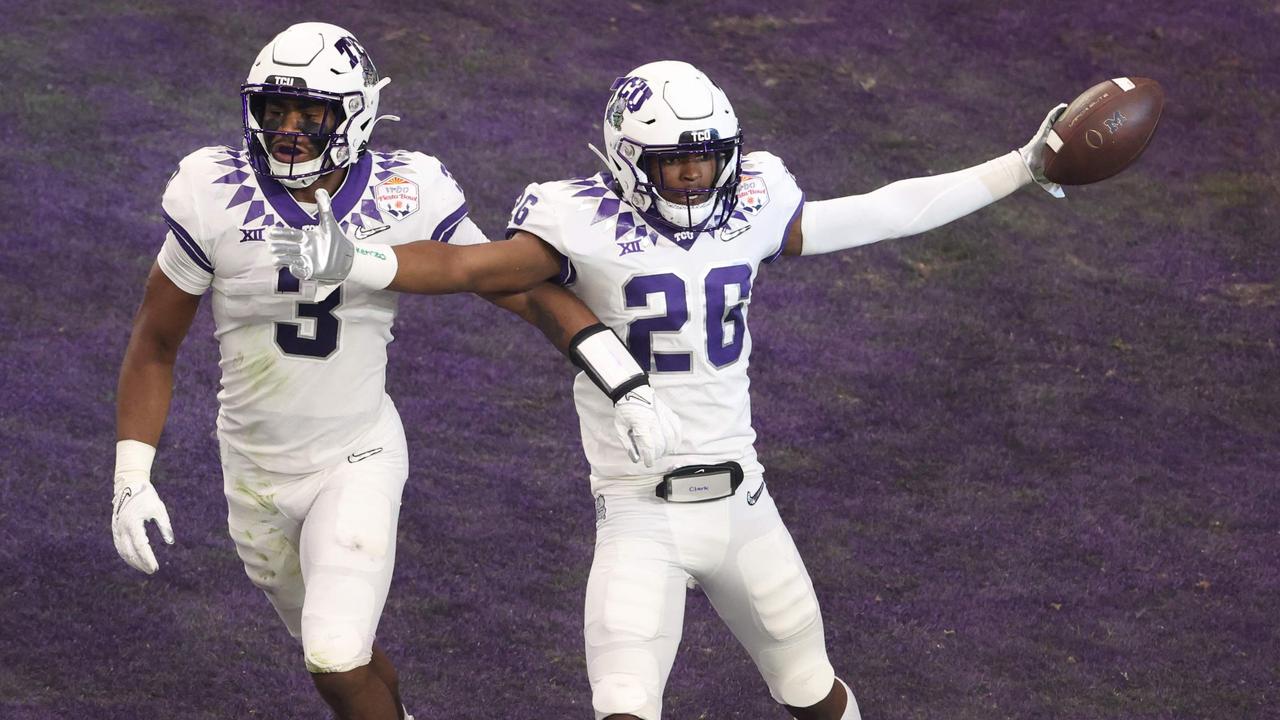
[700, 135]
[355, 53]
[632, 92]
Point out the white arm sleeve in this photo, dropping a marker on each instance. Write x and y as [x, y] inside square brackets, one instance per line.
[908, 207]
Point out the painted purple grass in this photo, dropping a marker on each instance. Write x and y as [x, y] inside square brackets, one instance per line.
[1030, 459]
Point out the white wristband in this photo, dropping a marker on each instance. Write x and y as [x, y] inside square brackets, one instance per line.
[373, 266]
[606, 361]
[133, 461]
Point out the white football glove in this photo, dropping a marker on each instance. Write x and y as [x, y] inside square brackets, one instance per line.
[316, 252]
[648, 428]
[134, 503]
[1033, 153]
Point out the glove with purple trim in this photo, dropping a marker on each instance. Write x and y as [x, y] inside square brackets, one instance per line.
[1033, 153]
[648, 428]
[316, 252]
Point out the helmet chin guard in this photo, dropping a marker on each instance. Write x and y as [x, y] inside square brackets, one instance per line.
[665, 112]
[311, 63]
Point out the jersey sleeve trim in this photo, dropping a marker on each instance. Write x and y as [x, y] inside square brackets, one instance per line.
[568, 273]
[786, 231]
[449, 224]
[188, 244]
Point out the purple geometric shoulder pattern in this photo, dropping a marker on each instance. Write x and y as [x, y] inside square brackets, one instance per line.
[253, 192]
[631, 230]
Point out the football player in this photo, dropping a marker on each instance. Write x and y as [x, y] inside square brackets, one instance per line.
[312, 449]
[665, 246]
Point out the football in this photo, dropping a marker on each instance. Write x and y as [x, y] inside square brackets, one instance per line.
[1103, 131]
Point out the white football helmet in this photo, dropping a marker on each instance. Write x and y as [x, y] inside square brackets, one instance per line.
[671, 108]
[316, 62]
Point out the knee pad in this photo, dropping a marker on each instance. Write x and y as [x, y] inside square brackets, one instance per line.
[778, 585]
[337, 623]
[805, 682]
[626, 682]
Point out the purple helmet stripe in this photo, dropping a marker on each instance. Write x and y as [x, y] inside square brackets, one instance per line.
[445, 229]
[188, 244]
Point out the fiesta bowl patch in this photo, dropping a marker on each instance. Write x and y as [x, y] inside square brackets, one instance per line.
[396, 197]
[752, 194]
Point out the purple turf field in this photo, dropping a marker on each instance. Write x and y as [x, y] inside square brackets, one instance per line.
[1031, 458]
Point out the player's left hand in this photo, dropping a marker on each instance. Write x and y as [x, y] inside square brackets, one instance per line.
[648, 428]
[316, 252]
[135, 502]
[1033, 153]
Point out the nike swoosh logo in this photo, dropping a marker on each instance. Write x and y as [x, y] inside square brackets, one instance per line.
[357, 457]
[365, 233]
[752, 498]
[636, 398]
[124, 498]
[727, 235]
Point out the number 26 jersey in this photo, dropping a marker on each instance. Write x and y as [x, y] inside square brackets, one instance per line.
[678, 300]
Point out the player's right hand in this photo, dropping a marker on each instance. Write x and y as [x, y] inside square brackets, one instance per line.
[647, 428]
[135, 502]
[1033, 152]
[316, 252]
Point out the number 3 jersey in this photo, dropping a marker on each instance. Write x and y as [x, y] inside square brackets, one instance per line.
[677, 299]
[303, 367]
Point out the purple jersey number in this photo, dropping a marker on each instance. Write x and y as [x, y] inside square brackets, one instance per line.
[719, 314]
[522, 209]
[640, 332]
[717, 282]
[325, 339]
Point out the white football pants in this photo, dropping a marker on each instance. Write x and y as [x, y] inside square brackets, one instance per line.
[739, 552]
[322, 545]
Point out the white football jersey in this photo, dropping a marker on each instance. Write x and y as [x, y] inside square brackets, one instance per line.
[303, 372]
[678, 300]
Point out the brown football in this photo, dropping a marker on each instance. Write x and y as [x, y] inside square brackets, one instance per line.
[1103, 131]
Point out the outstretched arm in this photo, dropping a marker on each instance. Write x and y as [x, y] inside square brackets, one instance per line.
[323, 252]
[913, 206]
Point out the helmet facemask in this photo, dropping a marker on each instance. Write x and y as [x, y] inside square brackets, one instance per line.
[692, 207]
[321, 135]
